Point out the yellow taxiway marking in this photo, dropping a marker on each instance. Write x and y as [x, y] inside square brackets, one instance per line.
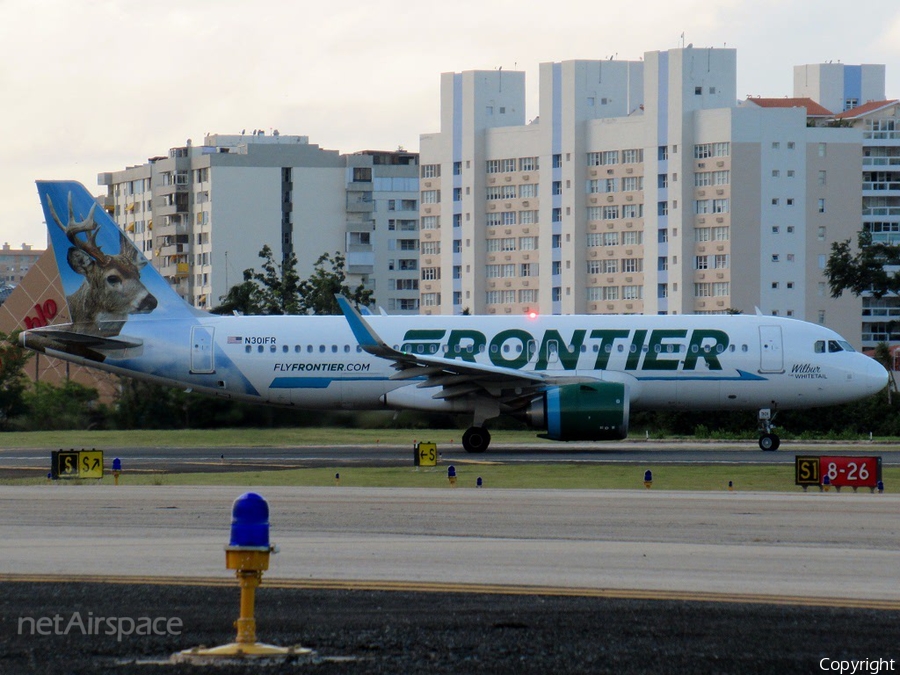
[489, 589]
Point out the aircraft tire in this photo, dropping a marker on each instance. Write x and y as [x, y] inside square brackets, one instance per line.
[476, 439]
[769, 442]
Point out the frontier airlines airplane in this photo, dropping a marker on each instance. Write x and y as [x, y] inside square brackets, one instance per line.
[575, 377]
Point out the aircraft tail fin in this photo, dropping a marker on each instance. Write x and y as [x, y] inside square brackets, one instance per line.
[106, 280]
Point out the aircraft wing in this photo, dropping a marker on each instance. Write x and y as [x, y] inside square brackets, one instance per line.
[455, 377]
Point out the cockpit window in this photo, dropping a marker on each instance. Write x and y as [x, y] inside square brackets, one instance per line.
[833, 346]
[846, 345]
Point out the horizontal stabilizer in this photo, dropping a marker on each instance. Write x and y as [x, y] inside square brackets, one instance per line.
[68, 340]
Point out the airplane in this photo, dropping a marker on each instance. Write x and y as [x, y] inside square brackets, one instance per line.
[575, 377]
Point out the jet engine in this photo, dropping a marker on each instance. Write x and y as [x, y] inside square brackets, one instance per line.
[595, 411]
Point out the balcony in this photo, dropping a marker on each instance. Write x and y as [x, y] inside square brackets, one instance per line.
[882, 135]
[881, 161]
[881, 186]
[360, 205]
[881, 211]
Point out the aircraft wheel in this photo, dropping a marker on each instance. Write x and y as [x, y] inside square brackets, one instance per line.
[769, 442]
[476, 439]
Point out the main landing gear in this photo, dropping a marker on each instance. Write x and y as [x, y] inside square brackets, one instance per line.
[476, 439]
[767, 439]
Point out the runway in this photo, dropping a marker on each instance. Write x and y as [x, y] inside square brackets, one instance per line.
[816, 546]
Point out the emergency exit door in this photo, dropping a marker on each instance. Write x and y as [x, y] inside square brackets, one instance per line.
[771, 353]
[202, 349]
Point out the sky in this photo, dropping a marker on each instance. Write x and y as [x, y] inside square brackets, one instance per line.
[88, 86]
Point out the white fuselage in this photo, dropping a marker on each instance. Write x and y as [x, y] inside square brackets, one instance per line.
[677, 362]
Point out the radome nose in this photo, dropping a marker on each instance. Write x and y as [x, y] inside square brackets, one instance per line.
[876, 377]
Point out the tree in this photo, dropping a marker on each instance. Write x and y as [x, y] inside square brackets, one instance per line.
[319, 289]
[863, 270]
[885, 358]
[243, 298]
[275, 290]
[12, 378]
[280, 285]
[68, 406]
[279, 290]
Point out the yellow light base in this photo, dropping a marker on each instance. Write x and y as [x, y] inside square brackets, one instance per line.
[240, 650]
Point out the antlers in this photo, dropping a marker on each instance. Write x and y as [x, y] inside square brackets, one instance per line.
[75, 227]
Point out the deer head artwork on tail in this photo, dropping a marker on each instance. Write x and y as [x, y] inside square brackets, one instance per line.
[112, 287]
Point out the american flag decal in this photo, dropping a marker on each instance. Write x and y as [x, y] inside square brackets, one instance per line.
[235, 339]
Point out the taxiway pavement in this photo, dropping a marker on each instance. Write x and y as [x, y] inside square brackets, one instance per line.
[804, 546]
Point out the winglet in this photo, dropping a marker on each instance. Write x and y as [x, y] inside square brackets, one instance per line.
[368, 339]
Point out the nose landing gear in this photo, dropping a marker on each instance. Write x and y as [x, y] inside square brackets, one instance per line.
[767, 439]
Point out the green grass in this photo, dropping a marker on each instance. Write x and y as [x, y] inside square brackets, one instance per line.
[246, 438]
[708, 477]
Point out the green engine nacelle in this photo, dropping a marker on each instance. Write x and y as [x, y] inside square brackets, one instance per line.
[596, 411]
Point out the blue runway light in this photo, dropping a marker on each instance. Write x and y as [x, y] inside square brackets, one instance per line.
[479, 482]
[451, 471]
[250, 521]
[117, 464]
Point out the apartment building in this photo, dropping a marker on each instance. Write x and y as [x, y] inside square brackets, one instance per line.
[856, 93]
[641, 187]
[15, 263]
[878, 122]
[201, 214]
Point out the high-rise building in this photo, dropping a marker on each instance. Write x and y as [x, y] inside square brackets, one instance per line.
[202, 214]
[641, 187]
[856, 93]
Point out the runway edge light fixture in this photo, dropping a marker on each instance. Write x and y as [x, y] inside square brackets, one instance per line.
[248, 554]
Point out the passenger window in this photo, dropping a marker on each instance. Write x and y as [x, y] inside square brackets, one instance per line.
[309, 349]
[321, 349]
[284, 348]
[820, 346]
[346, 349]
[247, 349]
[297, 348]
[259, 349]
